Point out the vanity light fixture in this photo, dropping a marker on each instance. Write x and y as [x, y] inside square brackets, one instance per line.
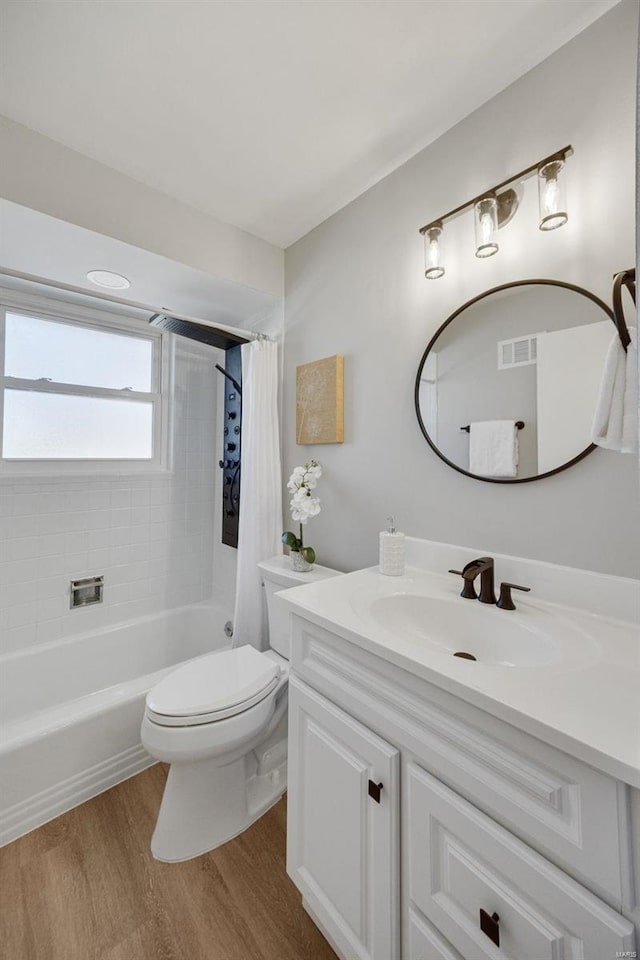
[496, 207]
[433, 268]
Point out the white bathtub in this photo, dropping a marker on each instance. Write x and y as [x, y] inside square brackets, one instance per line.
[70, 711]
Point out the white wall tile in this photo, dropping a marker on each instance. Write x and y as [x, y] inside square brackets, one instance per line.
[150, 537]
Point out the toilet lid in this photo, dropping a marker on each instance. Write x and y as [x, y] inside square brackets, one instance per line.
[214, 683]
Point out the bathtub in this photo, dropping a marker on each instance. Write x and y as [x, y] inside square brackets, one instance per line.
[70, 710]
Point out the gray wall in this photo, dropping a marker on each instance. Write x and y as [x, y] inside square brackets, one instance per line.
[355, 286]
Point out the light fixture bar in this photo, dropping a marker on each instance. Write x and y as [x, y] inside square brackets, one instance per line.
[528, 171]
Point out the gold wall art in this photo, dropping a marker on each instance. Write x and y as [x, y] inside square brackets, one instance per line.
[320, 401]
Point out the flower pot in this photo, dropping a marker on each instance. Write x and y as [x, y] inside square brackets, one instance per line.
[298, 562]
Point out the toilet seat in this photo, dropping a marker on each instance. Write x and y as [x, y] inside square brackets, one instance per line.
[213, 687]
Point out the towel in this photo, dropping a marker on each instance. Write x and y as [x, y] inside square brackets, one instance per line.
[615, 422]
[493, 448]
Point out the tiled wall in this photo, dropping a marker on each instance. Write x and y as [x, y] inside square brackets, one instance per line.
[151, 537]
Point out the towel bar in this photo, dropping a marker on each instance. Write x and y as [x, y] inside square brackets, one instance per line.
[519, 425]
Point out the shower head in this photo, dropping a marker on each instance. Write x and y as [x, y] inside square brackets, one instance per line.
[202, 331]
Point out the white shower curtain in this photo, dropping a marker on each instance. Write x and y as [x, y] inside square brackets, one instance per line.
[260, 526]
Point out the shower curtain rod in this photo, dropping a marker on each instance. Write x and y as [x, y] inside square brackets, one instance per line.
[134, 304]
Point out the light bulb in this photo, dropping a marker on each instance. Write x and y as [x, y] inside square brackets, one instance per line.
[486, 227]
[551, 196]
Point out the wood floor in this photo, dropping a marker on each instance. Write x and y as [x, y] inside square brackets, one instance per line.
[85, 887]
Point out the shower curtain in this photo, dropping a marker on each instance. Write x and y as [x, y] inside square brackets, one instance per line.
[260, 524]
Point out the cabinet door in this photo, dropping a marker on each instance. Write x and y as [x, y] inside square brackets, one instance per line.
[492, 896]
[342, 832]
[426, 943]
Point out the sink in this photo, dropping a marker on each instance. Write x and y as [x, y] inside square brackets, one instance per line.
[485, 633]
[477, 633]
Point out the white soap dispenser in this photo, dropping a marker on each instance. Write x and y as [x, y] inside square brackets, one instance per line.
[391, 551]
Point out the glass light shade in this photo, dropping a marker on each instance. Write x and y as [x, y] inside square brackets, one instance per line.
[485, 215]
[551, 195]
[432, 253]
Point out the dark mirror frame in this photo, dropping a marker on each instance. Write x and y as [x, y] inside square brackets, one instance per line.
[450, 319]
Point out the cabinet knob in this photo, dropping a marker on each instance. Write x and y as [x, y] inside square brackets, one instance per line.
[374, 791]
[490, 925]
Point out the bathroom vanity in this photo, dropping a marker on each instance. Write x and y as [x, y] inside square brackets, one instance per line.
[448, 809]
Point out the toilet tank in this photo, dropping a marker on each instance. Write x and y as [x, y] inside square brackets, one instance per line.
[277, 575]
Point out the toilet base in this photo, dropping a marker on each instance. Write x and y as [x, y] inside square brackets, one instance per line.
[204, 804]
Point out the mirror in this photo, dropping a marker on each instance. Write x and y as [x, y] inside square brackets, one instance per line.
[530, 353]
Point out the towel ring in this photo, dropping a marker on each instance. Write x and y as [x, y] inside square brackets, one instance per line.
[625, 278]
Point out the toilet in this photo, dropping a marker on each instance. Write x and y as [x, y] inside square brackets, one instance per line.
[220, 721]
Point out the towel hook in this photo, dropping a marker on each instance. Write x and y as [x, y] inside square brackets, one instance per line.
[625, 278]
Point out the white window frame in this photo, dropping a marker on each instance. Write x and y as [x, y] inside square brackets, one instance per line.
[73, 314]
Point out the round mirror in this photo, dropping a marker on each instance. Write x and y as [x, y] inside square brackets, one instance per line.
[506, 389]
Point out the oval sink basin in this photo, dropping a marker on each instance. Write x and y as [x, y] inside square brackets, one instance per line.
[487, 634]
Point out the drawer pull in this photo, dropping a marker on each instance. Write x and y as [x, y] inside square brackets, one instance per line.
[374, 791]
[490, 925]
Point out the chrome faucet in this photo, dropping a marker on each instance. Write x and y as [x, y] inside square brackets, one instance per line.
[483, 566]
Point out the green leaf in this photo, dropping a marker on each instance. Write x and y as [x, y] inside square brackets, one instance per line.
[290, 540]
[309, 554]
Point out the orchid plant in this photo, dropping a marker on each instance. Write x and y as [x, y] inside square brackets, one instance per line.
[303, 505]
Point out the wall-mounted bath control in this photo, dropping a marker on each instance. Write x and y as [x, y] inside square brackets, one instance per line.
[86, 591]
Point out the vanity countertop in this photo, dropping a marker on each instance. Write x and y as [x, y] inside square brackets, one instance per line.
[573, 681]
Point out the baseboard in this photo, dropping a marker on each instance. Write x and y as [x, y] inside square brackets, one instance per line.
[33, 812]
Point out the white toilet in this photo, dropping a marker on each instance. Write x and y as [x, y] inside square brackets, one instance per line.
[221, 722]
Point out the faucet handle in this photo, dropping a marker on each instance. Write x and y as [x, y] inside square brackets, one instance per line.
[505, 601]
[468, 589]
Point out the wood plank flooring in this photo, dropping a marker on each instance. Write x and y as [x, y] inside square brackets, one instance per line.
[85, 887]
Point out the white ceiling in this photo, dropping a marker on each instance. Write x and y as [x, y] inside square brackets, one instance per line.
[34, 243]
[267, 114]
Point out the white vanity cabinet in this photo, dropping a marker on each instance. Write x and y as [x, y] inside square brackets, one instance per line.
[343, 815]
[474, 815]
[461, 863]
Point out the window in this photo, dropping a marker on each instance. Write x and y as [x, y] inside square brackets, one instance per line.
[84, 394]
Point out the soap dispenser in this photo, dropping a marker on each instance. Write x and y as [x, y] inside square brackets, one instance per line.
[391, 551]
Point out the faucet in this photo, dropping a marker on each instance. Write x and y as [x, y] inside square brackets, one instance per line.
[484, 567]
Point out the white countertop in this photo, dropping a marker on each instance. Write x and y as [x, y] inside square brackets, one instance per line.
[585, 701]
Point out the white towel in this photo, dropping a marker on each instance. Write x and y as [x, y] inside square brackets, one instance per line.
[615, 422]
[493, 448]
